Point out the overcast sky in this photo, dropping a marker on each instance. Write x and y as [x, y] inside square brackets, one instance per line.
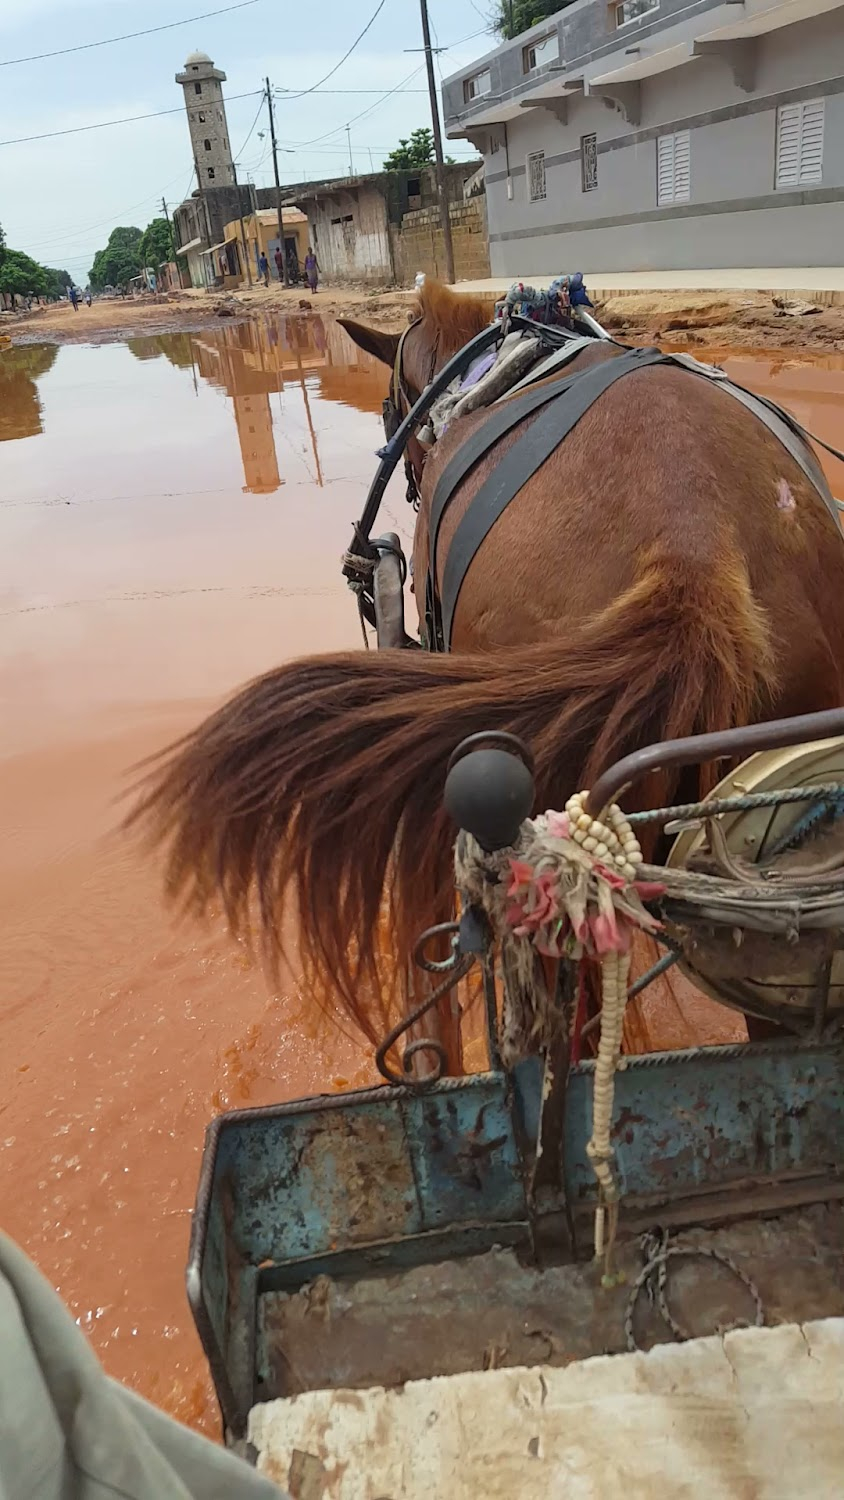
[59, 198]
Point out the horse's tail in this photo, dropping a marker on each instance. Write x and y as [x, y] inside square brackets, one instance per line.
[322, 781]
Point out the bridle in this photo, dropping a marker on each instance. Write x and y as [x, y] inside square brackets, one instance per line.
[400, 401]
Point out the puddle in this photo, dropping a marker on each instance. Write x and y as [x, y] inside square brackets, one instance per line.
[172, 514]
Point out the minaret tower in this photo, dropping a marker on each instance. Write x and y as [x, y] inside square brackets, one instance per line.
[206, 110]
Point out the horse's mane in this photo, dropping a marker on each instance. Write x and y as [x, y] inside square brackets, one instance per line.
[455, 317]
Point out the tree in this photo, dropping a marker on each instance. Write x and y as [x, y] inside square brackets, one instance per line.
[21, 275]
[413, 153]
[119, 261]
[2, 245]
[512, 17]
[156, 244]
[57, 282]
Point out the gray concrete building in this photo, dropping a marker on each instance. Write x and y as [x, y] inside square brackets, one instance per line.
[206, 111]
[661, 134]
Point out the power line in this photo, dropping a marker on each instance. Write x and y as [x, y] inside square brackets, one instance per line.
[156, 114]
[109, 41]
[251, 128]
[71, 234]
[282, 95]
[317, 138]
[396, 89]
[375, 14]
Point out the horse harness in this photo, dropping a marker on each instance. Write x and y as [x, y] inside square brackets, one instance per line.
[399, 401]
[559, 407]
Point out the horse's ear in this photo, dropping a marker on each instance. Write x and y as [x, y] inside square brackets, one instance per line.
[383, 345]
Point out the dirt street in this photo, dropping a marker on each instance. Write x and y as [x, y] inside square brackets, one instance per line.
[736, 320]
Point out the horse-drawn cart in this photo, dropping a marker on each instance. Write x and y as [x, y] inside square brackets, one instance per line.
[568, 1200]
[399, 1233]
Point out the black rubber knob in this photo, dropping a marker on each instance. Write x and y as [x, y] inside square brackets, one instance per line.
[490, 792]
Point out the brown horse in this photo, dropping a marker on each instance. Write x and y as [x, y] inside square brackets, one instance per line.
[669, 570]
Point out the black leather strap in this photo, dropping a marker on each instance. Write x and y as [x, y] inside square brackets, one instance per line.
[501, 420]
[566, 402]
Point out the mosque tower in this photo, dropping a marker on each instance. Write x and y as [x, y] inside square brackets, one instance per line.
[206, 111]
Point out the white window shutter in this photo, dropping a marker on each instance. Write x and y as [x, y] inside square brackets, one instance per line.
[800, 143]
[788, 145]
[811, 141]
[665, 169]
[682, 168]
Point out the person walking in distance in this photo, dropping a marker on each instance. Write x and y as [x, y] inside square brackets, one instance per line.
[279, 264]
[311, 269]
[74, 297]
[264, 268]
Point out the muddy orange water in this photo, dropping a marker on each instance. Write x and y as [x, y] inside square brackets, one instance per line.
[172, 512]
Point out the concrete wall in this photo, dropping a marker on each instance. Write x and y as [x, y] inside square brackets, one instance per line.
[736, 216]
[586, 32]
[418, 243]
[350, 235]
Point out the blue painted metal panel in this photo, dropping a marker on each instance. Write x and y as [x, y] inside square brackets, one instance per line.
[464, 1154]
[388, 1177]
[691, 1120]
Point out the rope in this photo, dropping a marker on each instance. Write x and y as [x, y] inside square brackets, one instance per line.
[359, 572]
[653, 1277]
[568, 888]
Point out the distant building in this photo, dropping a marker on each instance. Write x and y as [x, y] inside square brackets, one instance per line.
[199, 224]
[385, 226]
[260, 231]
[206, 110]
[661, 134]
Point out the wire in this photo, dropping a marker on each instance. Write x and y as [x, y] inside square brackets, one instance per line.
[317, 138]
[70, 234]
[109, 41]
[282, 95]
[375, 14]
[49, 135]
[368, 111]
[252, 127]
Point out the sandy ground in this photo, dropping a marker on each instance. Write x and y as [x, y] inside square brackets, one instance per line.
[729, 320]
[118, 318]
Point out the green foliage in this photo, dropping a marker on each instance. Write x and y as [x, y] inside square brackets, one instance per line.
[156, 245]
[413, 153]
[22, 275]
[119, 261]
[57, 282]
[511, 17]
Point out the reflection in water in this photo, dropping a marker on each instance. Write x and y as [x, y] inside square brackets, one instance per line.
[253, 361]
[20, 403]
[139, 585]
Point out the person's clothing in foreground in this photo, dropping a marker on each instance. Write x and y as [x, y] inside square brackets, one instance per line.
[68, 1432]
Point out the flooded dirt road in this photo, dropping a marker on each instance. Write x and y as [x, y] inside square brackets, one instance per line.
[172, 512]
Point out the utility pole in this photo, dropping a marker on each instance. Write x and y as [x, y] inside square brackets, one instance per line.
[439, 163]
[277, 186]
[166, 210]
[349, 140]
[244, 242]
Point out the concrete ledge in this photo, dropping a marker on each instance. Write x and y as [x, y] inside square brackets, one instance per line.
[757, 1413]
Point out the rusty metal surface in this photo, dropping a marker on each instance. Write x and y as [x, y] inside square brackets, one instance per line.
[388, 1179]
[491, 1310]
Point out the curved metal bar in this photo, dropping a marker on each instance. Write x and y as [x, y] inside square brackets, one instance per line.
[497, 739]
[428, 1044]
[432, 965]
[698, 748]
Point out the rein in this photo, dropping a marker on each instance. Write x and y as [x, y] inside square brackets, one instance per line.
[361, 547]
